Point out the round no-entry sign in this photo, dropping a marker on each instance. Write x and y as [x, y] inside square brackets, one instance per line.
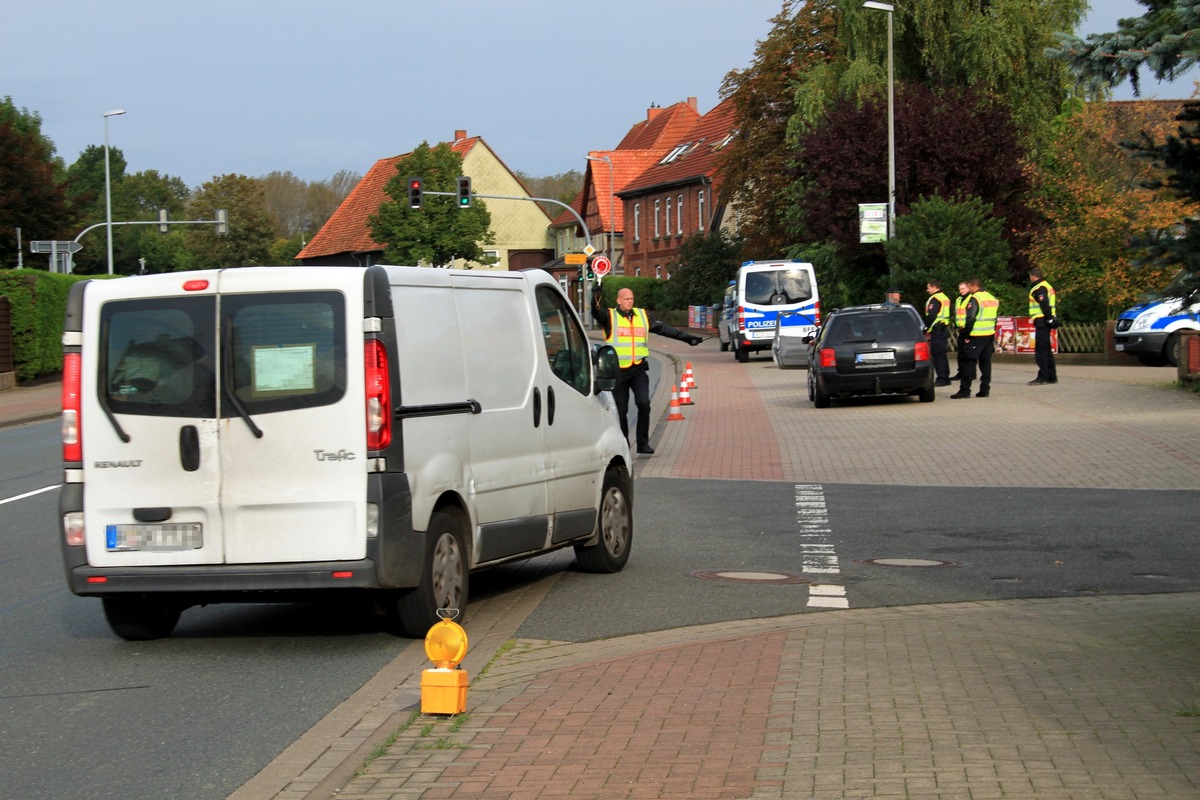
[601, 266]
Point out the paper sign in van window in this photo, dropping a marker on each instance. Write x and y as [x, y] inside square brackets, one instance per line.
[284, 369]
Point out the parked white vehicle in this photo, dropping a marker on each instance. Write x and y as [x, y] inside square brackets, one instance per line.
[279, 432]
[772, 305]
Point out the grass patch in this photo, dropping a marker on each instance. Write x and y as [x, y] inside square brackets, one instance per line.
[1192, 710]
[382, 748]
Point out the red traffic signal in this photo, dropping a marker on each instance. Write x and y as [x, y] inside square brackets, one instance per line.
[414, 193]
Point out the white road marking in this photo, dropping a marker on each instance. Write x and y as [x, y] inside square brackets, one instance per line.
[816, 545]
[28, 494]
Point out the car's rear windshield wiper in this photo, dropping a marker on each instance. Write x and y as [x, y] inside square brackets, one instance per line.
[227, 377]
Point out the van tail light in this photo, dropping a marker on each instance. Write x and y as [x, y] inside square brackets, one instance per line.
[379, 395]
[817, 313]
[922, 351]
[828, 357]
[71, 435]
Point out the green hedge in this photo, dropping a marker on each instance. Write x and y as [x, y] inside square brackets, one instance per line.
[39, 304]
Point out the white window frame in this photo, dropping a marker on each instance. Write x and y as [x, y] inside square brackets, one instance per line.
[657, 205]
[700, 210]
[669, 216]
[637, 222]
[679, 215]
[658, 272]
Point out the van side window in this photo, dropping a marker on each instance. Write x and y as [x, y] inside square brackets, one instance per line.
[157, 357]
[287, 350]
[567, 346]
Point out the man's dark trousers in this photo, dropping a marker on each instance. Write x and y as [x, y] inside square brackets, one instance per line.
[938, 347]
[636, 378]
[1042, 353]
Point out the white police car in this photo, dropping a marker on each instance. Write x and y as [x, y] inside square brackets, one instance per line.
[1150, 330]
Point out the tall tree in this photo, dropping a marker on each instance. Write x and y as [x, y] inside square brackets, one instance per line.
[1165, 40]
[703, 268]
[1093, 196]
[439, 232]
[248, 241]
[32, 192]
[755, 165]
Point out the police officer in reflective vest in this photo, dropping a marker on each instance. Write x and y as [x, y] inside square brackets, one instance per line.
[977, 341]
[1043, 308]
[626, 328]
[937, 328]
[960, 316]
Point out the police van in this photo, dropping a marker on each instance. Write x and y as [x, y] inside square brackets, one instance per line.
[768, 296]
[282, 433]
[1151, 330]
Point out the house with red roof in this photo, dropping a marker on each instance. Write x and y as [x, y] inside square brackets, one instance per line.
[676, 195]
[521, 227]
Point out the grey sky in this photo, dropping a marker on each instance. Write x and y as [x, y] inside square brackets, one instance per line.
[314, 87]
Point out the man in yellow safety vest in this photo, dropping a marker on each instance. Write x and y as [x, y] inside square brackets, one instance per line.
[626, 328]
[1043, 308]
[977, 341]
[937, 330]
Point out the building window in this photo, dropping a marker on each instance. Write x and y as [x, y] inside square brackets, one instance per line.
[700, 210]
[679, 221]
[668, 216]
[658, 271]
[637, 222]
[637, 273]
[657, 205]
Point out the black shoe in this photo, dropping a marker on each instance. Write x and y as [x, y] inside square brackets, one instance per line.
[1040, 382]
[955, 377]
[961, 394]
[981, 394]
[645, 449]
[942, 382]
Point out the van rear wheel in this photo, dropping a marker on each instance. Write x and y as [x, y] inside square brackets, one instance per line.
[444, 578]
[140, 618]
[615, 520]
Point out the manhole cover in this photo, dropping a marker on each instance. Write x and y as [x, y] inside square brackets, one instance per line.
[745, 576]
[907, 562]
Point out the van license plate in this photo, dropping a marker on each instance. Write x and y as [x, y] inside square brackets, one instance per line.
[164, 536]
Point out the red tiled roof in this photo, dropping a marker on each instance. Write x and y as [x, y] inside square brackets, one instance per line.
[626, 166]
[347, 231]
[661, 127]
[704, 139]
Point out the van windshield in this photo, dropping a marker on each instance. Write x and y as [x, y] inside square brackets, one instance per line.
[778, 287]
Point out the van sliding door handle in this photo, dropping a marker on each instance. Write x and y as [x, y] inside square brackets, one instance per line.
[189, 448]
[549, 405]
[537, 407]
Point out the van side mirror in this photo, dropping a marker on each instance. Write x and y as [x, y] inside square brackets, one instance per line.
[608, 367]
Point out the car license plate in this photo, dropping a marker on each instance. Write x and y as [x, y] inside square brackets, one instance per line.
[157, 536]
[875, 358]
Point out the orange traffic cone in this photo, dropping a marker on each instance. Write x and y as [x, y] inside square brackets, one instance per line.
[689, 377]
[675, 412]
[685, 394]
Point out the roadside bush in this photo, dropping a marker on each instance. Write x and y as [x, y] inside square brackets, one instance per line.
[39, 302]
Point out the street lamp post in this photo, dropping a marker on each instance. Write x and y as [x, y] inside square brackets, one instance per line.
[108, 186]
[890, 8]
[612, 204]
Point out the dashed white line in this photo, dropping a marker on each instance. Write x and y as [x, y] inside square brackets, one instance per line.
[819, 556]
[15, 498]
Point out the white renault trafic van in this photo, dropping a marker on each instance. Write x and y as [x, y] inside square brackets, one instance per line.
[271, 433]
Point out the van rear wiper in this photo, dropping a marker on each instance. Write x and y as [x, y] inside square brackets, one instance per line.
[103, 396]
[227, 377]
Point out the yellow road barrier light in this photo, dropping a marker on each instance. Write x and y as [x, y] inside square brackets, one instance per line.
[444, 688]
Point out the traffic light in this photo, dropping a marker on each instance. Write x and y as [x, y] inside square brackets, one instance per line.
[591, 273]
[464, 191]
[414, 192]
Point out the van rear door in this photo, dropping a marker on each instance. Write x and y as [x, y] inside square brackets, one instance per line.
[224, 427]
[292, 431]
[148, 422]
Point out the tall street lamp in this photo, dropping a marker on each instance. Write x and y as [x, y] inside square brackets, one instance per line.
[612, 203]
[108, 186]
[890, 9]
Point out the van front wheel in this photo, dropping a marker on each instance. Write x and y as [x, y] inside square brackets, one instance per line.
[444, 578]
[140, 618]
[615, 520]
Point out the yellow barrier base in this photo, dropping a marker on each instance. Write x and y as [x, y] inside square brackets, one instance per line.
[443, 691]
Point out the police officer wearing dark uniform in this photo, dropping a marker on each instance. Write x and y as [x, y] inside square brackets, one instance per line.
[1043, 306]
[937, 328]
[626, 328]
[977, 341]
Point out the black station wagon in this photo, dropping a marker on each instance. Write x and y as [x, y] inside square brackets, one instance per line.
[870, 350]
